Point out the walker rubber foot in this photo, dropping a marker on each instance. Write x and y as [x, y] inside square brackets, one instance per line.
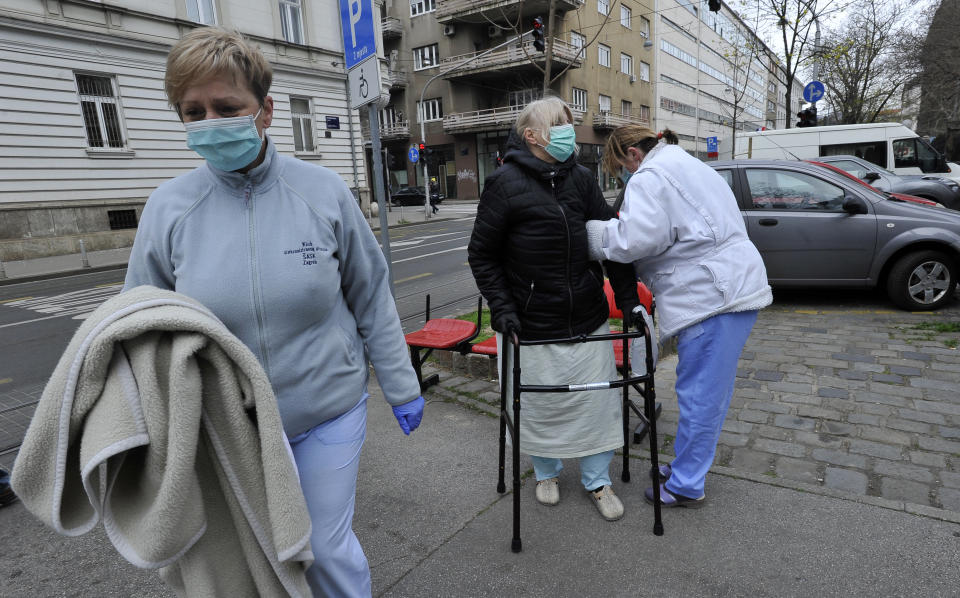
[501, 487]
[517, 546]
[657, 529]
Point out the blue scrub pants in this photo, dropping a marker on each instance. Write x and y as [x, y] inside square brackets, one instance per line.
[706, 371]
[594, 469]
[328, 458]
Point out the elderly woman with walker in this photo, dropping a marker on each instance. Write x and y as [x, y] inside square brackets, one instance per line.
[681, 227]
[279, 250]
[528, 253]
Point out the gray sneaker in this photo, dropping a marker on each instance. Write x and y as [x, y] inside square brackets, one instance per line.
[607, 503]
[548, 492]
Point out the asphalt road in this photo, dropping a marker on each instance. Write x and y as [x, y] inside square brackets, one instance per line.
[37, 319]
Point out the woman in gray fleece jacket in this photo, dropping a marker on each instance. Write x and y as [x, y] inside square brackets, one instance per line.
[279, 250]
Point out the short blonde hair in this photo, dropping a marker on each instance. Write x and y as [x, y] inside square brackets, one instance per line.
[211, 52]
[542, 114]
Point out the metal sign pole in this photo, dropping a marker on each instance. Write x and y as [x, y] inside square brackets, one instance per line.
[380, 195]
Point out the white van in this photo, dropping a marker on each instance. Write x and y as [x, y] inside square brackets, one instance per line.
[890, 145]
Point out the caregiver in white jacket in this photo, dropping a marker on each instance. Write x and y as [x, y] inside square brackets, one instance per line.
[681, 226]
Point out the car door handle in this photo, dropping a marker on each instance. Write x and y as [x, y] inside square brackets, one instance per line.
[767, 222]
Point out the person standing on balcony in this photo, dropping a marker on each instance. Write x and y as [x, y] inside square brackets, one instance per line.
[681, 226]
[528, 254]
[279, 250]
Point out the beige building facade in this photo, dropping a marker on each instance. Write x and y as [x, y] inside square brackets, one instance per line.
[463, 57]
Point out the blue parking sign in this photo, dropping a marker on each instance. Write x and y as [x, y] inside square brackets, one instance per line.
[413, 154]
[356, 23]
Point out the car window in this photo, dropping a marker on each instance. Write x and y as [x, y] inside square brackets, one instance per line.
[727, 176]
[773, 189]
[871, 151]
[850, 166]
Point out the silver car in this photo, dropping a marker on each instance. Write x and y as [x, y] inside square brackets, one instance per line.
[815, 227]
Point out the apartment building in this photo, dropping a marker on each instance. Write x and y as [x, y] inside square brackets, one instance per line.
[716, 77]
[463, 58]
[87, 130]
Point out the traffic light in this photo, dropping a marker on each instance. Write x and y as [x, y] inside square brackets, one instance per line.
[808, 117]
[713, 5]
[538, 42]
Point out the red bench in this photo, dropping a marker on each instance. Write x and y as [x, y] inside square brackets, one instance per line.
[441, 333]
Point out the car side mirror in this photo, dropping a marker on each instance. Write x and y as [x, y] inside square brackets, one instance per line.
[871, 176]
[854, 205]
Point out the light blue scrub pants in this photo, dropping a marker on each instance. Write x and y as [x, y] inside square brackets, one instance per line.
[328, 458]
[706, 371]
[594, 469]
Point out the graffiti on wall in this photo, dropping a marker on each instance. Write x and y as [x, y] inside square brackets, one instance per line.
[466, 175]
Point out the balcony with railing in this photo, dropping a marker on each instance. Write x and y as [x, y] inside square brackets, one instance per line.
[397, 78]
[513, 58]
[503, 117]
[389, 131]
[611, 120]
[392, 28]
[475, 11]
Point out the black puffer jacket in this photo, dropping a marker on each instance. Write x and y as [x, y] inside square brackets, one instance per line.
[528, 251]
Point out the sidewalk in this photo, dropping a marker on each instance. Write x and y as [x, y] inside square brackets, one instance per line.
[113, 259]
[432, 524]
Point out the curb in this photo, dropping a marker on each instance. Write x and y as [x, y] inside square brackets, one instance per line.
[61, 274]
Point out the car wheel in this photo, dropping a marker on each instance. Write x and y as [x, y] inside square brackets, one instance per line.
[922, 280]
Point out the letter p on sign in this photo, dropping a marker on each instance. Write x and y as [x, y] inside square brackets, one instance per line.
[355, 11]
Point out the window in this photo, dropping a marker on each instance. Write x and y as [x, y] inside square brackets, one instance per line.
[425, 57]
[772, 189]
[101, 113]
[302, 118]
[120, 219]
[915, 153]
[644, 27]
[626, 108]
[603, 6]
[431, 109]
[604, 103]
[871, 151]
[626, 64]
[522, 97]
[419, 7]
[579, 100]
[626, 15]
[201, 11]
[291, 20]
[603, 55]
[579, 41]
[644, 71]
[727, 175]
[645, 112]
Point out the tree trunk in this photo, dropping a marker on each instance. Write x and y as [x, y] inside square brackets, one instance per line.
[548, 35]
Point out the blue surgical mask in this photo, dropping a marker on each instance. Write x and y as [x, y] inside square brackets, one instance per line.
[563, 140]
[226, 143]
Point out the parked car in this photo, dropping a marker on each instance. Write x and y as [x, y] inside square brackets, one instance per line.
[817, 228]
[935, 188]
[6, 490]
[413, 196]
[890, 195]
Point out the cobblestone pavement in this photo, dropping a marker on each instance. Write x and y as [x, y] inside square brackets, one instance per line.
[861, 401]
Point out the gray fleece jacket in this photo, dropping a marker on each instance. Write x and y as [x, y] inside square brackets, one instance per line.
[283, 256]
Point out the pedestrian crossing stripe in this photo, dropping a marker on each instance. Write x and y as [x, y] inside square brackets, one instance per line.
[76, 304]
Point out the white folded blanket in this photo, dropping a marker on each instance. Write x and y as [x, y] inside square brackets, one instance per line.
[162, 423]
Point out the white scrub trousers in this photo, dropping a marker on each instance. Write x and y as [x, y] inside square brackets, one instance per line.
[328, 457]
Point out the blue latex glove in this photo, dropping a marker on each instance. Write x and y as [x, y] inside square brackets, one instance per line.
[409, 415]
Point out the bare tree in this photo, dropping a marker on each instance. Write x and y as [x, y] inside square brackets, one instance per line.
[858, 63]
[517, 26]
[741, 57]
[933, 54]
[795, 19]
